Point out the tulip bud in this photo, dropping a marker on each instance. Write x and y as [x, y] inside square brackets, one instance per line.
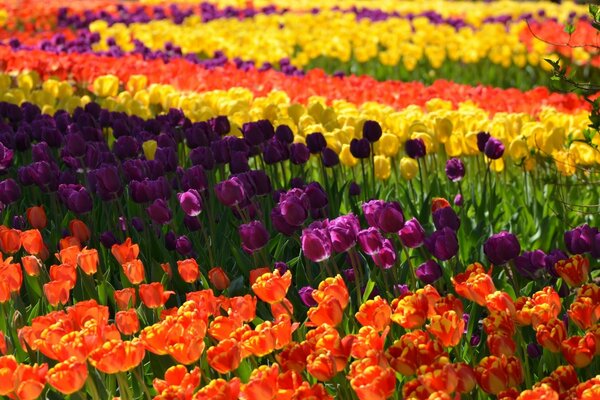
[494, 149]
[455, 169]
[501, 248]
[218, 278]
[415, 148]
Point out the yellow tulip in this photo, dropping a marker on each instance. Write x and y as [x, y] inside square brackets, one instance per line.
[388, 145]
[149, 147]
[409, 168]
[383, 167]
[106, 86]
[137, 83]
[346, 157]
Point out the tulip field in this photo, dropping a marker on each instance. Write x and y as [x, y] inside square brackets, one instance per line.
[310, 199]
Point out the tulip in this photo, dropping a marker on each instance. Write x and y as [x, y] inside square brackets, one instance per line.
[6, 157]
[316, 243]
[9, 191]
[183, 245]
[188, 270]
[125, 298]
[372, 131]
[284, 134]
[57, 292]
[159, 212]
[254, 236]
[225, 356]
[37, 217]
[370, 240]
[218, 278]
[117, 356]
[360, 148]
[230, 192]
[458, 200]
[455, 169]
[153, 294]
[446, 217]
[579, 351]
[127, 321]
[429, 272]
[387, 216]
[408, 168]
[316, 142]
[442, 244]
[354, 189]
[385, 257]
[531, 263]
[580, 240]
[191, 202]
[501, 248]
[329, 158]
[415, 148]
[343, 232]
[412, 234]
[482, 139]
[299, 153]
[574, 270]
[306, 296]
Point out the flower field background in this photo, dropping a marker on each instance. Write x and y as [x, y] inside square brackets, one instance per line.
[285, 200]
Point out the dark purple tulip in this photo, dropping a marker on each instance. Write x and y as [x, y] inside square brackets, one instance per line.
[494, 149]
[372, 131]
[354, 189]
[137, 223]
[281, 267]
[343, 231]
[190, 202]
[261, 182]
[126, 147]
[171, 241]
[6, 156]
[220, 125]
[19, 222]
[442, 244]
[197, 135]
[349, 274]
[360, 148]
[203, 156]
[194, 178]
[41, 152]
[297, 183]
[429, 272]
[275, 152]
[294, 210]
[305, 294]
[385, 257]
[74, 145]
[280, 224]
[387, 216]
[108, 239]
[220, 151]
[183, 245]
[563, 291]
[253, 133]
[482, 138]
[475, 340]
[239, 162]
[531, 264]
[596, 246]
[446, 217]
[458, 200]
[534, 350]
[316, 244]
[159, 212]
[400, 289]
[299, 153]
[315, 142]
[415, 148]
[167, 157]
[579, 240]
[192, 223]
[412, 234]
[76, 198]
[254, 236]
[284, 134]
[501, 248]
[22, 139]
[370, 240]
[329, 158]
[106, 182]
[552, 258]
[230, 192]
[455, 169]
[316, 195]
[9, 191]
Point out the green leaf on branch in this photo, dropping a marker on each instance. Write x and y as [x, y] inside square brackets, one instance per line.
[569, 28]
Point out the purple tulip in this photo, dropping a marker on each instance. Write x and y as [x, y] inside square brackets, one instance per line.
[387, 216]
[316, 244]
[531, 264]
[551, 259]
[579, 240]
[370, 240]
[294, 207]
[442, 244]
[183, 245]
[446, 217]
[126, 147]
[138, 224]
[317, 197]
[275, 152]
[306, 296]
[254, 236]
[534, 350]
[385, 257]
[220, 125]
[349, 274]
[253, 133]
[284, 134]
[494, 149]
[203, 156]
[412, 234]
[191, 202]
[429, 272]
[315, 142]
[106, 182]
[354, 189]
[76, 198]
[501, 248]
[280, 224]
[6, 157]
[482, 138]
[170, 241]
[159, 212]
[343, 232]
[372, 131]
[455, 169]
[18, 222]
[400, 289]
[360, 148]
[299, 153]
[458, 200]
[9, 191]
[329, 158]
[192, 223]
[475, 340]
[108, 239]
[415, 148]
[281, 267]
[596, 246]
[230, 192]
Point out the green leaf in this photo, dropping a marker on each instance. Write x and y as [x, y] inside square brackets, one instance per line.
[569, 28]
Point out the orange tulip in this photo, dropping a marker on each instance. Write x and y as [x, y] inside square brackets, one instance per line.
[37, 217]
[166, 267]
[88, 261]
[447, 303]
[258, 343]
[154, 337]
[293, 356]
[466, 377]
[225, 356]
[4, 292]
[439, 376]
[134, 271]
[329, 312]
[117, 356]
[179, 379]
[243, 307]
[68, 376]
[88, 310]
[64, 272]
[584, 312]
[321, 364]
[288, 383]
[545, 306]
[272, 287]
[412, 350]
[314, 392]
[153, 295]
[374, 383]
[57, 292]
[551, 335]
[69, 241]
[3, 347]
[500, 301]
[579, 351]
[499, 321]
[501, 343]
[542, 392]
[218, 278]
[222, 327]
[125, 252]
[29, 381]
[10, 240]
[8, 366]
[219, 389]
[12, 275]
[32, 241]
[262, 383]
[125, 298]
[410, 311]
[32, 265]
[495, 374]
[448, 328]
[127, 321]
[185, 338]
[282, 309]
[188, 270]
[474, 284]
[332, 287]
[69, 255]
[575, 270]
[562, 379]
[375, 313]
[258, 272]
[80, 230]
